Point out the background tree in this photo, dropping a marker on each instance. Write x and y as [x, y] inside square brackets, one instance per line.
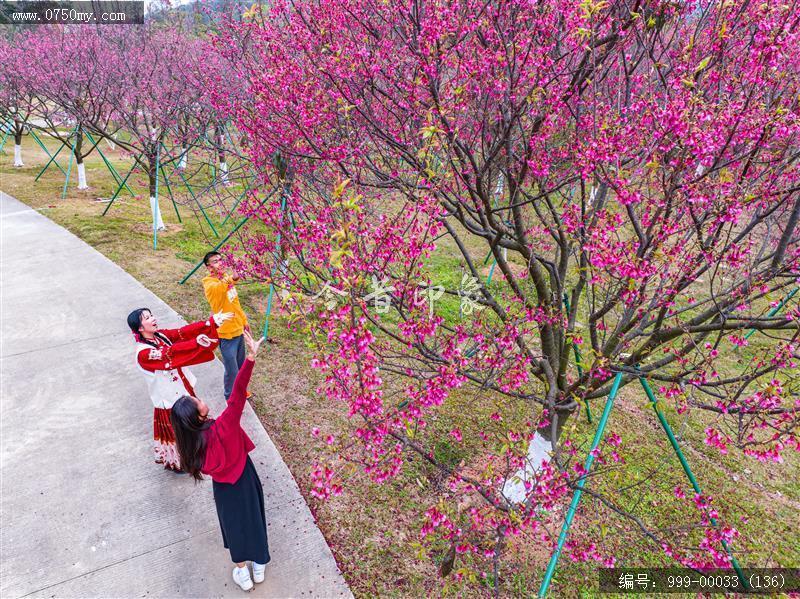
[64, 66]
[19, 99]
[142, 86]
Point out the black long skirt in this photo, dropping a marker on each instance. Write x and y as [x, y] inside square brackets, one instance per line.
[240, 508]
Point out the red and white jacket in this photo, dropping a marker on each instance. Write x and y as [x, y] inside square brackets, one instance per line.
[163, 361]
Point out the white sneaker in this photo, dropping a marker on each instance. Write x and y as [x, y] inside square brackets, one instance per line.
[241, 576]
[258, 572]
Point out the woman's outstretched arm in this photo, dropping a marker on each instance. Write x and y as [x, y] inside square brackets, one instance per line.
[232, 414]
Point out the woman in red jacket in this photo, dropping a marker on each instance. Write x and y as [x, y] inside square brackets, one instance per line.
[220, 448]
[162, 356]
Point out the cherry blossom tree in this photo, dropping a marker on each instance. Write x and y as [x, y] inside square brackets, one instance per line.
[18, 98]
[630, 167]
[152, 96]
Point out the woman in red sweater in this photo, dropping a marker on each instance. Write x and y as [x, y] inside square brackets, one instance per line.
[220, 448]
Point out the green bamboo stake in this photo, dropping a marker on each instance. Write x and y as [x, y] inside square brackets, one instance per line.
[199, 205]
[6, 133]
[171, 197]
[176, 163]
[52, 159]
[185, 182]
[578, 360]
[235, 205]
[7, 128]
[221, 243]
[576, 498]
[116, 193]
[491, 272]
[69, 166]
[268, 311]
[109, 166]
[688, 470]
[46, 151]
[486, 260]
[302, 256]
[215, 248]
[775, 310]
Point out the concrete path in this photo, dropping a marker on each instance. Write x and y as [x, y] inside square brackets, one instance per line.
[85, 512]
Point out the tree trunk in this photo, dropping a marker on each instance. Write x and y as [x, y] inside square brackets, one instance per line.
[540, 449]
[552, 432]
[18, 143]
[155, 209]
[79, 160]
[219, 141]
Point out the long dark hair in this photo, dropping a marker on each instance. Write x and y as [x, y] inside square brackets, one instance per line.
[189, 437]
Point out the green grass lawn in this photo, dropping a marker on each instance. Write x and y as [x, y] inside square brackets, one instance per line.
[373, 530]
